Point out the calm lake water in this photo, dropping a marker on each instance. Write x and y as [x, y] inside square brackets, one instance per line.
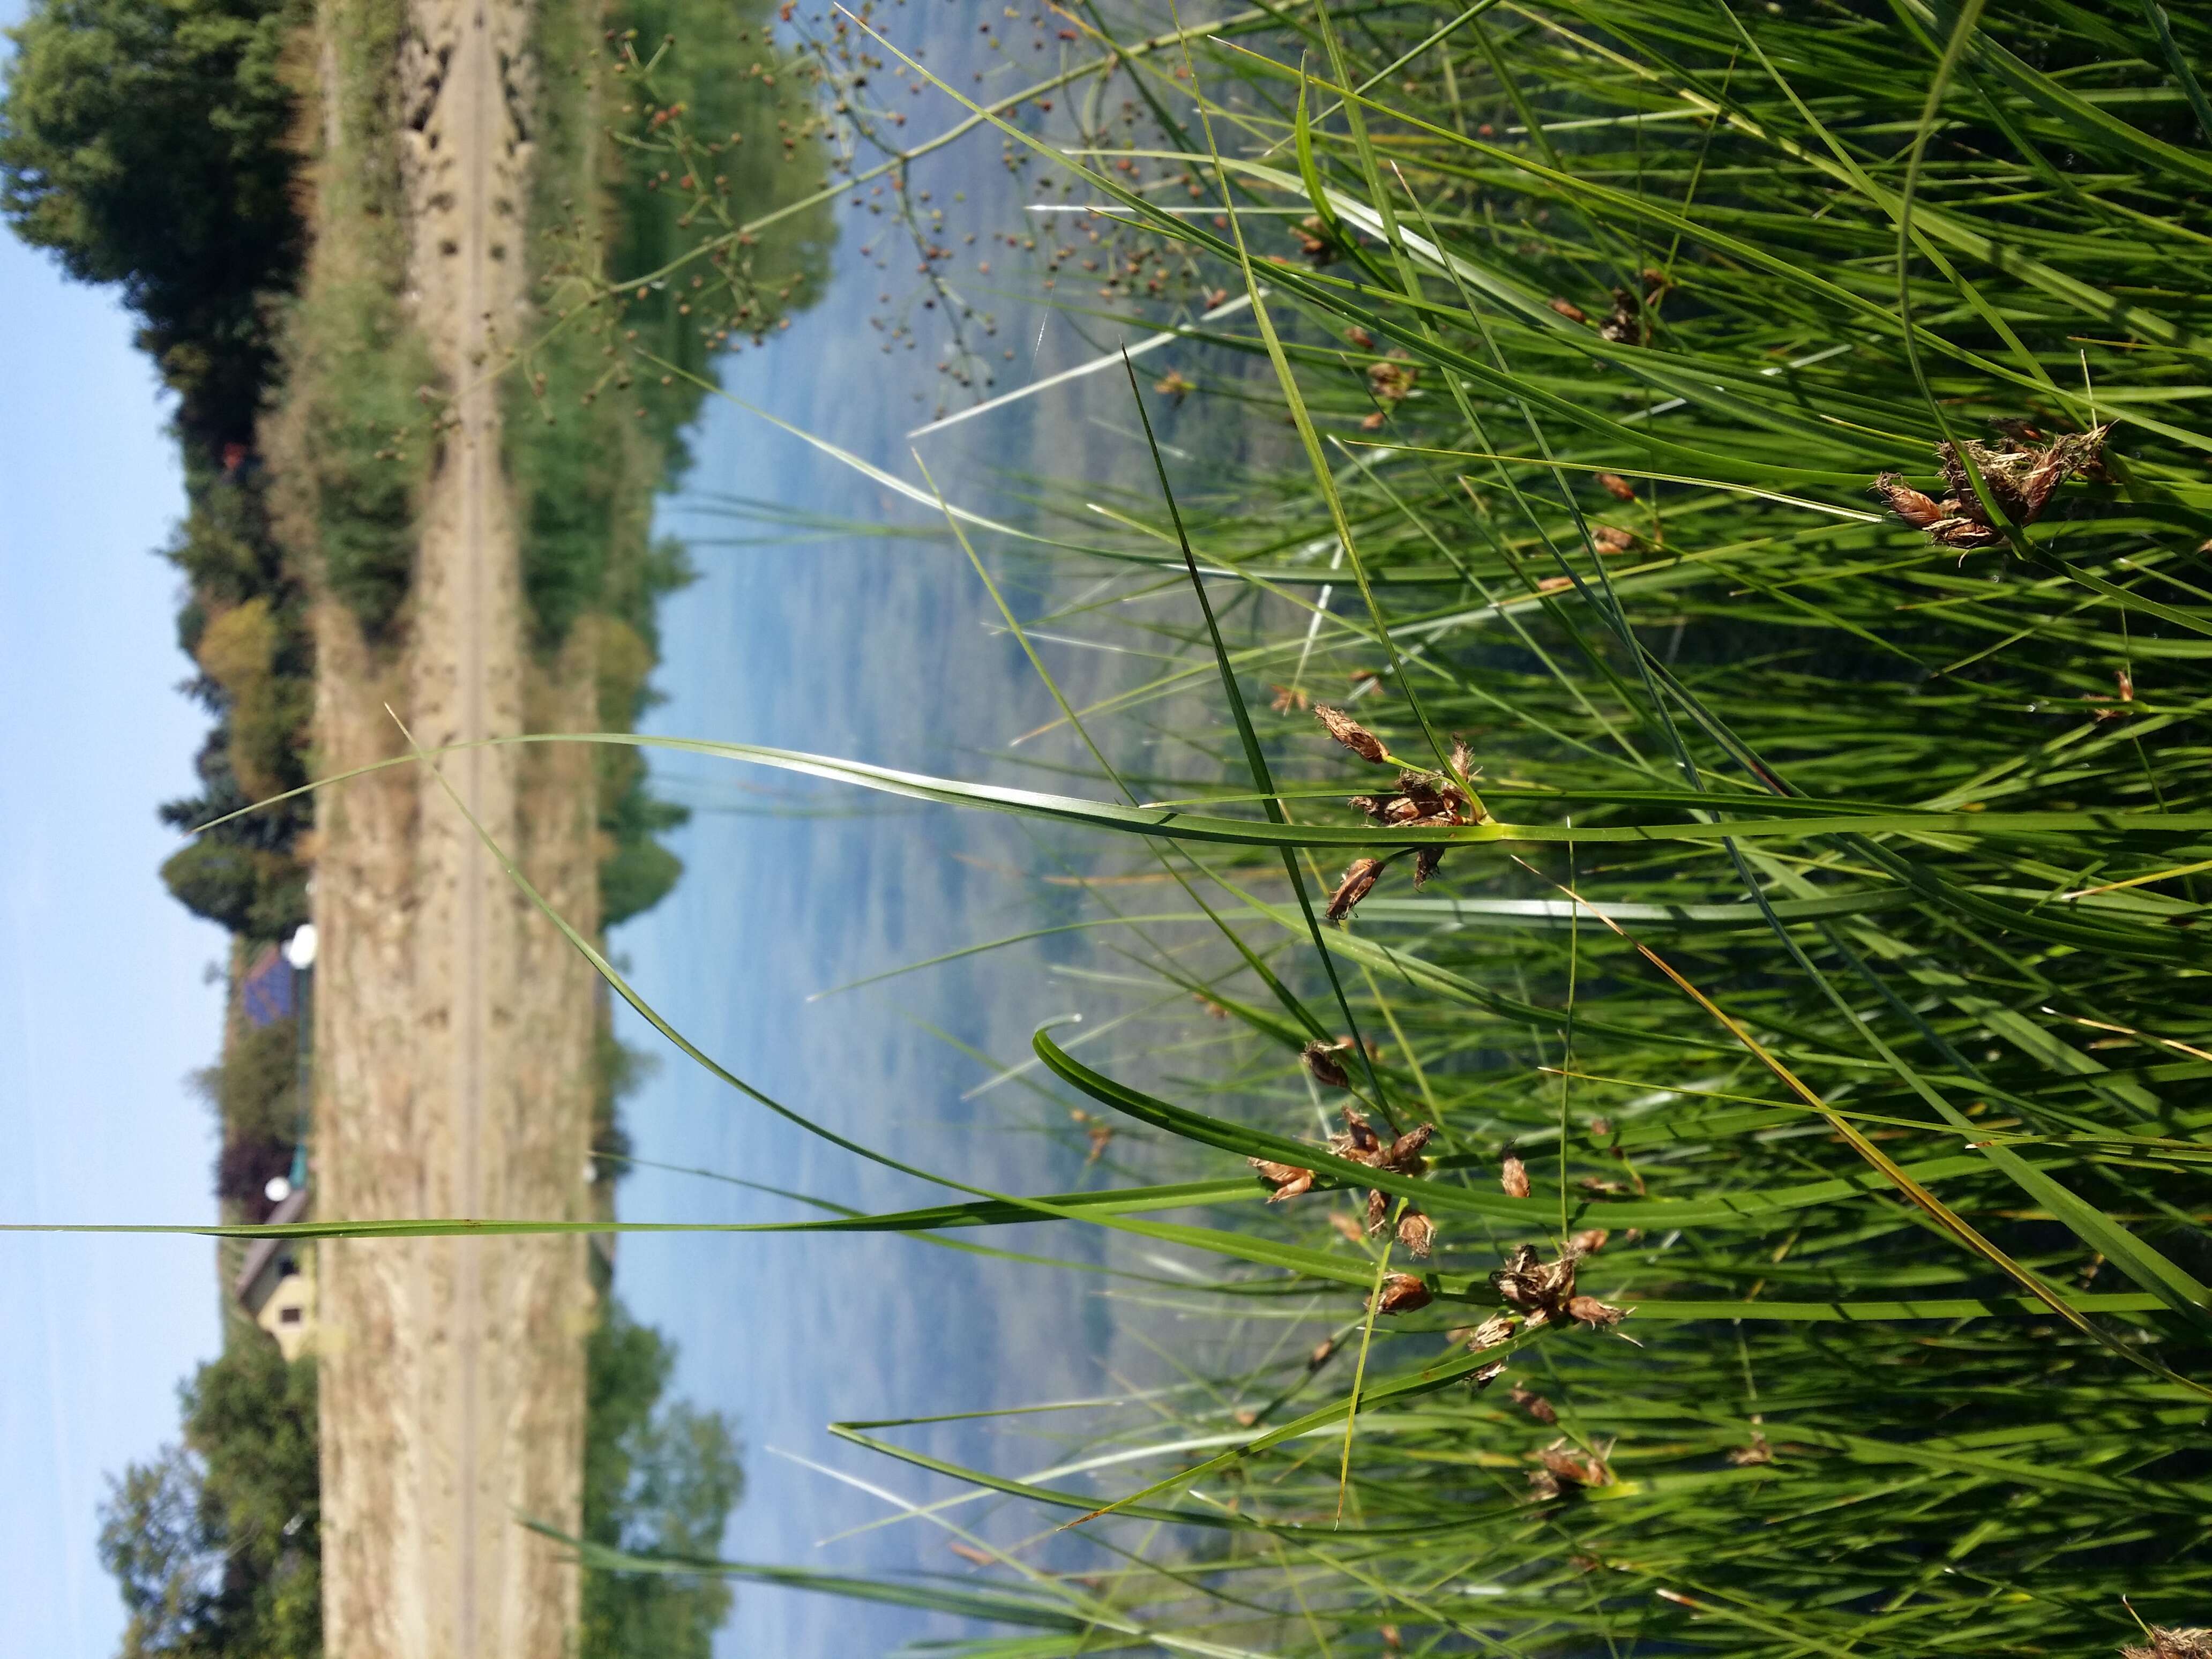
[889, 650]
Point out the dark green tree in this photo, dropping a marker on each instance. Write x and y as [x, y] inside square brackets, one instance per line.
[144, 141]
[216, 1545]
[659, 1479]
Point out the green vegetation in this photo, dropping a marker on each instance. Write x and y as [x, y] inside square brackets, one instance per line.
[659, 1479]
[215, 1543]
[1740, 1152]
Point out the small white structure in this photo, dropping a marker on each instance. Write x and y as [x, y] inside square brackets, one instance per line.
[276, 1283]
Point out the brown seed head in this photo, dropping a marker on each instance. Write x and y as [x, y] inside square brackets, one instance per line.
[1598, 1315]
[1483, 1377]
[1757, 1452]
[1513, 1175]
[1349, 1226]
[1534, 1404]
[1623, 323]
[1536, 1287]
[1417, 1233]
[1324, 1067]
[1493, 1331]
[1617, 486]
[1378, 1209]
[2173, 1644]
[1462, 757]
[1319, 1356]
[1288, 697]
[1569, 310]
[1351, 734]
[1427, 861]
[1580, 1467]
[1361, 337]
[1404, 1156]
[1543, 1486]
[1359, 880]
[1172, 385]
[1287, 1179]
[1401, 1293]
[1610, 539]
[1589, 1243]
[1907, 503]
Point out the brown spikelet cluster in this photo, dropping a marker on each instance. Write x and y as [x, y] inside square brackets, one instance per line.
[1323, 1066]
[1401, 1293]
[1417, 1233]
[1419, 799]
[1494, 1331]
[1288, 1180]
[1351, 734]
[2192, 1643]
[1544, 1291]
[1534, 1404]
[1617, 487]
[1513, 1175]
[1172, 385]
[2020, 474]
[1757, 1452]
[1315, 243]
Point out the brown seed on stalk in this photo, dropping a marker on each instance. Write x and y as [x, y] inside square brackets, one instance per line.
[1391, 1640]
[1287, 1179]
[1757, 1452]
[1427, 861]
[1359, 880]
[1907, 503]
[1598, 1315]
[1623, 323]
[1359, 1141]
[1569, 310]
[1378, 1209]
[1534, 1404]
[1401, 1293]
[1536, 1286]
[1417, 1233]
[1589, 1243]
[1351, 734]
[1581, 1563]
[969, 1552]
[1348, 1225]
[1403, 1155]
[1100, 1135]
[1288, 697]
[1617, 486]
[1172, 385]
[1513, 1175]
[1485, 1375]
[1610, 539]
[1319, 1356]
[1577, 1466]
[1361, 337]
[1497, 1329]
[1323, 1064]
[2173, 1644]
[1462, 757]
[1543, 1486]
[1371, 806]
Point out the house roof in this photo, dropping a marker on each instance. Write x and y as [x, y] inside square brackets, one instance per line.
[262, 1251]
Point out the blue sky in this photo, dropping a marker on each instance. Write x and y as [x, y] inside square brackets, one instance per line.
[103, 1008]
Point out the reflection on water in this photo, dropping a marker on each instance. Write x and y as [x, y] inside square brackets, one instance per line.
[888, 649]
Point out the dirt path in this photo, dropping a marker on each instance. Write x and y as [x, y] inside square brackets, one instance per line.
[453, 1027]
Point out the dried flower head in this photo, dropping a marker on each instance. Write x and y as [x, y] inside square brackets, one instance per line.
[1314, 242]
[1349, 1226]
[1401, 1293]
[1323, 1066]
[1569, 310]
[1391, 381]
[2193, 1643]
[1494, 1331]
[1598, 1315]
[1359, 1141]
[1359, 879]
[1513, 1175]
[1288, 1180]
[1536, 1286]
[1757, 1452]
[1172, 385]
[1417, 1233]
[1351, 734]
[1378, 1209]
[1288, 697]
[1588, 1242]
[1580, 1467]
[1319, 1356]
[1101, 1134]
[1427, 861]
[1534, 1404]
[1612, 539]
[1403, 1156]
[1624, 324]
[1483, 1377]
[1361, 337]
[1543, 1486]
[1617, 487]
